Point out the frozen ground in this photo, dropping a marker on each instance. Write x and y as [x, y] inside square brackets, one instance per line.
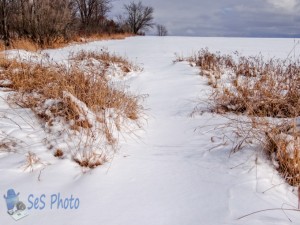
[167, 176]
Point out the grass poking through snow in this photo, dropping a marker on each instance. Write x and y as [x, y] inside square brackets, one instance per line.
[84, 109]
[268, 92]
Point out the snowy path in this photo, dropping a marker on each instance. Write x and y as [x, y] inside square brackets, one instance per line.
[167, 176]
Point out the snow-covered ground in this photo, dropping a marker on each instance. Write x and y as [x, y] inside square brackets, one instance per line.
[172, 173]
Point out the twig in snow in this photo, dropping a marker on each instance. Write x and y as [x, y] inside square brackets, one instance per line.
[39, 177]
[299, 197]
[273, 187]
[264, 210]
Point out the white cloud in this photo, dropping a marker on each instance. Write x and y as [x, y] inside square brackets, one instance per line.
[288, 5]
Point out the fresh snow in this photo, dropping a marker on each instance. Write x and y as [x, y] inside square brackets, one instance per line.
[177, 170]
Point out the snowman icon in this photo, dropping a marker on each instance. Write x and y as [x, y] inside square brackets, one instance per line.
[14, 206]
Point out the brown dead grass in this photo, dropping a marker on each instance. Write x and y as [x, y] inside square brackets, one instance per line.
[24, 44]
[51, 83]
[102, 37]
[262, 90]
[29, 45]
[90, 160]
[106, 58]
[278, 140]
[282, 144]
[8, 146]
[258, 87]
[35, 84]
[32, 160]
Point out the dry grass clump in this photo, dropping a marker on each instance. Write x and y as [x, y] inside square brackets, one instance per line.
[106, 59]
[251, 85]
[282, 143]
[87, 104]
[212, 65]
[259, 88]
[32, 161]
[268, 92]
[7, 146]
[279, 140]
[90, 160]
[212, 61]
[51, 83]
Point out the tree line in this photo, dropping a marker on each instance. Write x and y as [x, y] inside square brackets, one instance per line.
[47, 21]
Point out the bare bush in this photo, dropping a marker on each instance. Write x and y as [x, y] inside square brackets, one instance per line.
[161, 30]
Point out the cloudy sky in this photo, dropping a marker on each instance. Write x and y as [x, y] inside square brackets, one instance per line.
[236, 18]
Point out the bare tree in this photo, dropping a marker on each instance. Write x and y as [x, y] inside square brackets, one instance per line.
[139, 17]
[92, 12]
[5, 9]
[161, 30]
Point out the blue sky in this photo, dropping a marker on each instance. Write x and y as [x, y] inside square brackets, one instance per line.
[233, 18]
